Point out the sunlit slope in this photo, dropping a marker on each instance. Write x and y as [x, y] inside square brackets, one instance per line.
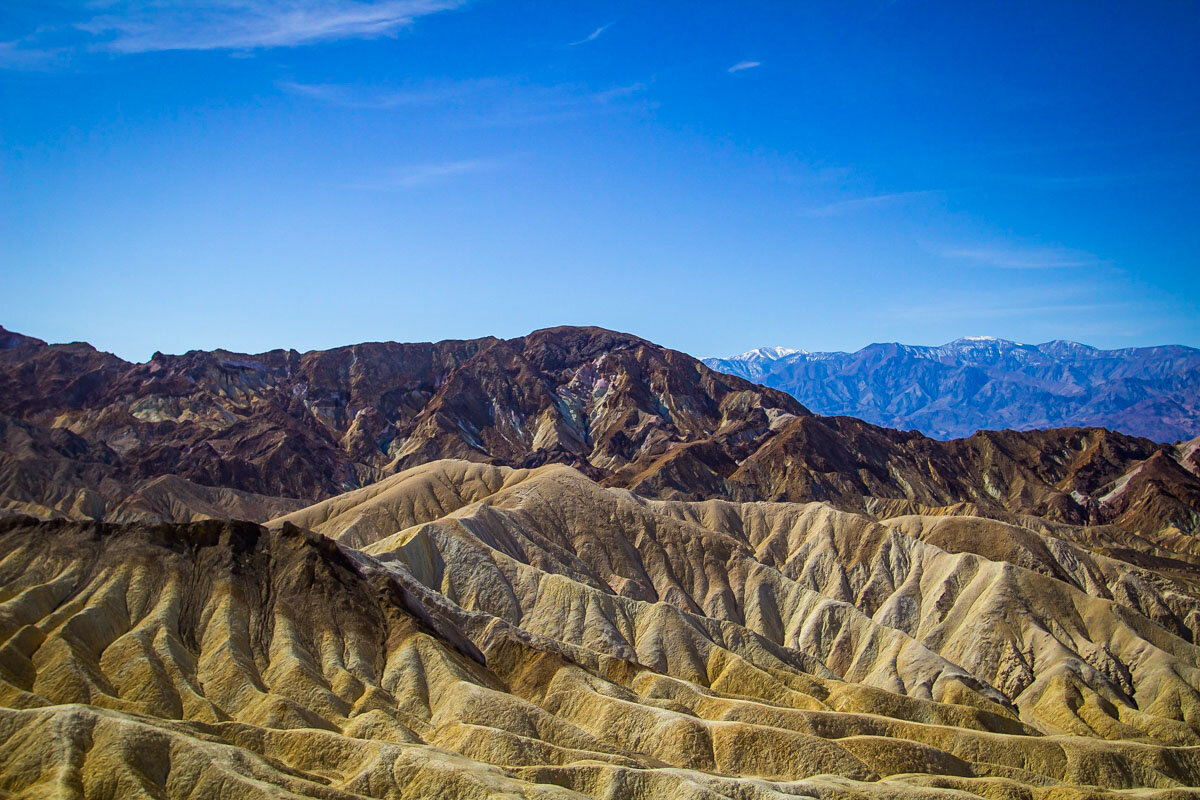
[420, 494]
[529, 633]
[828, 592]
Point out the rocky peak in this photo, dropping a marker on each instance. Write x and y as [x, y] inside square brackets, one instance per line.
[11, 339]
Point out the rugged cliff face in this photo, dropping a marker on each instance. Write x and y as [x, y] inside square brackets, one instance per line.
[468, 630]
[87, 435]
[315, 424]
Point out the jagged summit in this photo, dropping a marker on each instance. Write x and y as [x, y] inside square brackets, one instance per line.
[976, 341]
[10, 339]
[768, 353]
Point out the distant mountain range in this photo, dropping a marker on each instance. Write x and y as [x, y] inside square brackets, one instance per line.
[985, 383]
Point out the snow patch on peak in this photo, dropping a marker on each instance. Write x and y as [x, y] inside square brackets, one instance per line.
[970, 340]
[767, 354]
[1067, 344]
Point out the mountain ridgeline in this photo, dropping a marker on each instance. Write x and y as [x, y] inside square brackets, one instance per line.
[983, 383]
[87, 435]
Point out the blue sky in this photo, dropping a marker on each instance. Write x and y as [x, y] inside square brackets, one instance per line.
[252, 174]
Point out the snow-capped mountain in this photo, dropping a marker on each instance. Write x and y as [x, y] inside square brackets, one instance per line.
[768, 353]
[753, 364]
[982, 382]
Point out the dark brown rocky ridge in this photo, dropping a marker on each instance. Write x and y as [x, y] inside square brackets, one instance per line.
[83, 431]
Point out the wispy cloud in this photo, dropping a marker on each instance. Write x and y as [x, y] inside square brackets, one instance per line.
[1072, 309]
[1005, 257]
[593, 36]
[383, 98]
[431, 173]
[1184, 171]
[254, 24]
[743, 65]
[857, 204]
[489, 102]
[618, 92]
[23, 54]
[143, 26]
[966, 309]
[417, 175]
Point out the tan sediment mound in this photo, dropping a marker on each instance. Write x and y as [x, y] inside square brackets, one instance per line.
[828, 592]
[424, 493]
[173, 498]
[529, 633]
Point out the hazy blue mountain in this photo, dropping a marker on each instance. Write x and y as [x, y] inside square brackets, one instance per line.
[980, 382]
